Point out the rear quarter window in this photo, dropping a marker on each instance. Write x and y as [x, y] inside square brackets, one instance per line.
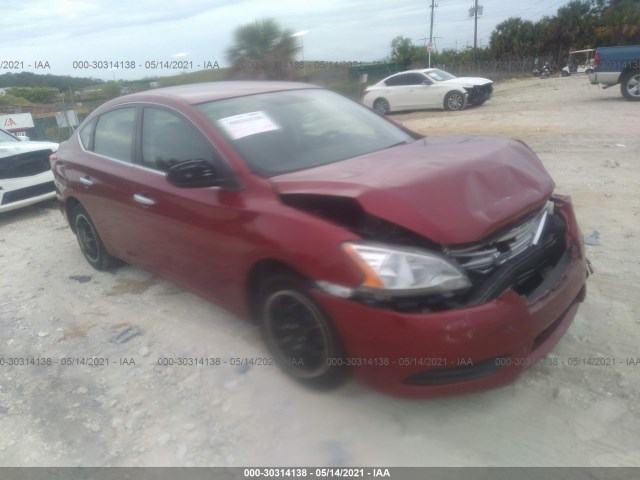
[86, 134]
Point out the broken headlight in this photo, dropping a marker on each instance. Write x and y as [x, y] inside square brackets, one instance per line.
[399, 271]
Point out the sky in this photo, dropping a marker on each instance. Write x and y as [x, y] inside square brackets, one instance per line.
[64, 37]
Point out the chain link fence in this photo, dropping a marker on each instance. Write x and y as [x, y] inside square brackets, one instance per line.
[500, 69]
[45, 124]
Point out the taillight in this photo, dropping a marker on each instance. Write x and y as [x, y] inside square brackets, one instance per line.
[596, 60]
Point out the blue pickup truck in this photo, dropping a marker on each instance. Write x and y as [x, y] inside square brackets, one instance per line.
[613, 65]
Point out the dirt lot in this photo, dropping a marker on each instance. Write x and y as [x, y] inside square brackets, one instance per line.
[134, 412]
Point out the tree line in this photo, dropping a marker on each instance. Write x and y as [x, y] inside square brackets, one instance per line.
[59, 82]
[580, 24]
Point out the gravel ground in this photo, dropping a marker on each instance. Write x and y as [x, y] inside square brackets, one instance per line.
[134, 412]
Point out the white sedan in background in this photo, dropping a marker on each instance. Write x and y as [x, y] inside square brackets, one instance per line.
[426, 88]
[25, 172]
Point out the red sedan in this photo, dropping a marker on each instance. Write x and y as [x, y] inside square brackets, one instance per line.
[427, 266]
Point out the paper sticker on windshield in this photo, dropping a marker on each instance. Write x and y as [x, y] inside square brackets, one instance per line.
[239, 126]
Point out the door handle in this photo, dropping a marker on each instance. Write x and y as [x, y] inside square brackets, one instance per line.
[86, 181]
[143, 200]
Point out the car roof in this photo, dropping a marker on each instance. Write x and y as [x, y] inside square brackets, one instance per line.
[206, 92]
[415, 70]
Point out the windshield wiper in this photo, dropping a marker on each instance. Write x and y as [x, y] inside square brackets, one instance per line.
[404, 142]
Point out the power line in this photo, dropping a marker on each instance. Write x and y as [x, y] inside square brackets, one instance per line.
[546, 8]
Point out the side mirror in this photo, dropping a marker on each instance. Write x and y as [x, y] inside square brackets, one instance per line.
[194, 174]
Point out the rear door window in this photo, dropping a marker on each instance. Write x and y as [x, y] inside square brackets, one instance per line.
[406, 79]
[114, 135]
[397, 81]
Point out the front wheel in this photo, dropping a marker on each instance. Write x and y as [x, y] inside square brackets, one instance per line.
[630, 85]
[299, 334]
[381, 106]
[90, 242]
[454, 101]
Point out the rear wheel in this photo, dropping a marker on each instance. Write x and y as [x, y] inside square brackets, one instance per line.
[381, 106]
[299, 334]
[630, 85]
[454, 101]
[90, 242]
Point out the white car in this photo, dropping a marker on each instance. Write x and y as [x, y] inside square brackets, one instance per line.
[25, 172]
[426, 88]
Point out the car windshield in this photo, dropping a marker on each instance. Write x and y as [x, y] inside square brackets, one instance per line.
[439, 75]
[281, 132]
[6, 137]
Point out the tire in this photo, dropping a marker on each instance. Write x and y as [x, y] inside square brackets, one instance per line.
[454, 101]
[382, 106]
[630, 85]
[299, 334]
[90, 242]
[565, 73]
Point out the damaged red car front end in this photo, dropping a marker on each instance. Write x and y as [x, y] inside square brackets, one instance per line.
[485, 203]
[470, 348]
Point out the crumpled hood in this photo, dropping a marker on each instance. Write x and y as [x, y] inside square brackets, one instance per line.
[467, 81]
[9, 149]
[452, 190]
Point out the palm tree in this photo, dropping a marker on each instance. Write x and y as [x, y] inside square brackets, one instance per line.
[263, 50]
[577, 19]
[513, 36]
[620, 23]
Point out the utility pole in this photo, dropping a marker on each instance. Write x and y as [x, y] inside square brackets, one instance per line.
[430, 46]
[475, 33]
[474, 12]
